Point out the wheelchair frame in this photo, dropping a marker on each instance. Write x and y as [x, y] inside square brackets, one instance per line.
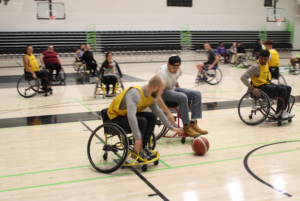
[208, 76]
[60, 79]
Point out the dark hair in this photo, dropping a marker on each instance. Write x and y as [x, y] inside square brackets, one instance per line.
[258, 42]
[207, 43]
[264, 53]
[220, 43]
[105, 63]
[174, 59]
[25, 51]
[268, 42]
[239, 42]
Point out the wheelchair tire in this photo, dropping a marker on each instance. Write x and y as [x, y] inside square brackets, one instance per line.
[159, 130]
[62, 76]
[110, 150]
[183, 140]
[77, 65]
[214, 77]
[246, 106]
[156, 162]
[152, 143]
[144, 168]
[23, 85]
[297, 68]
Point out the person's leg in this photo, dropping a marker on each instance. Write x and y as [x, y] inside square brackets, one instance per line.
[194, 96]
[57, 67]
[50, 67]
[270, 88]
[227, 57]
[39, 75]
[151, 119]
[106, 81]
[94, 67]
[200, 66]
[287, 96]
[233, 58]
[113, 81]
[238, 56]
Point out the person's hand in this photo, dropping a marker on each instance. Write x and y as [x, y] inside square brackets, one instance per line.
[178, 130]
[137, 147]
[235, 53]
[121, 79]
[256, 92]
[34, 76]
[171, 118]
[43, 65]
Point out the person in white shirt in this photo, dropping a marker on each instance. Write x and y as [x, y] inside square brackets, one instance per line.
[170, 73]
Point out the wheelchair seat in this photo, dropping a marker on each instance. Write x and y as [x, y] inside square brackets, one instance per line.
[106, 119]
[171, 104]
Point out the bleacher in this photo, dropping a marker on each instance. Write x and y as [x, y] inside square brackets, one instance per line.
[133, 42]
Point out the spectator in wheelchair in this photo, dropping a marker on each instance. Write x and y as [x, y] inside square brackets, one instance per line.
[108, 73]
[170, 73]
[31, 66]
[221, 50]
[233, 53]
[88, 60]
[79, 52]
[261, 80]
[212, 59]
[240, 51]
[294, 61]
[257, 48]
[127, 110]
[51, 60]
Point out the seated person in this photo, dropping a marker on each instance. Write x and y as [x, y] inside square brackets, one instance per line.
[31, 66]
[294, 61]
[212, 59]
[109, 70]
[261, 80]
[221, 50]
[240, 52]
[88, 60]
[274, 58]
[51, 60]
[79, 52]
[257, 48]
[127, 110]
[233, 53]
[170, 73]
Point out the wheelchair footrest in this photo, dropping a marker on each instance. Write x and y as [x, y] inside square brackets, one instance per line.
[276, 120]
[141, 161]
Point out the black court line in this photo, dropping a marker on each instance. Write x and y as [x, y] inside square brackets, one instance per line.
[256, 177]
[138, 174]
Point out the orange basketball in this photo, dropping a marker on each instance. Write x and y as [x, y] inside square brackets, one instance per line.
[200, 145]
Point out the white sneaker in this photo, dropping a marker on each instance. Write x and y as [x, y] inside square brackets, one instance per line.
[288, 114]
[283, 116]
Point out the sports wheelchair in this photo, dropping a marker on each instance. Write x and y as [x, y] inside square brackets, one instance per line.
[162, 131]
[110, 145]
[296, 70]
[61, 76]
[254, 110]
[100, 88]
[28, 87]
[211, 76]
[77, 65]
[84, 71]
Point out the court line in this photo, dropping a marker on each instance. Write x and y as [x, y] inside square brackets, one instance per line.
[230, 159]
[256, 177]
[83, 105]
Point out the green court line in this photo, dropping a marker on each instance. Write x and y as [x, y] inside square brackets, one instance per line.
[83, 105]
[169, 167]
[275, 152]
[67, 182]
[164, 163]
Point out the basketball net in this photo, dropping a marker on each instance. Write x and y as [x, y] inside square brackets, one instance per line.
[279, 21]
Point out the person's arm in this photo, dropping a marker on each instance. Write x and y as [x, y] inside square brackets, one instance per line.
[76, 53]
[120, 72]
[215, 61]
[42, 60]
[177, 85]
[59, 60]
[25, 63]
[93, 58]
[83, 58]
[163, 106]
[218, 50]
[254, 70]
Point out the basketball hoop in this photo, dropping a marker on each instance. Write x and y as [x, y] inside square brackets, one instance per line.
[279, 21]
[52, 19]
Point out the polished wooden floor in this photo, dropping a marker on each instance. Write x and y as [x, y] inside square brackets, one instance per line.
[49, 162]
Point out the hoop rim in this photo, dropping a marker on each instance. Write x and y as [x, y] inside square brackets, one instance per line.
[52, 17]
[278, 20]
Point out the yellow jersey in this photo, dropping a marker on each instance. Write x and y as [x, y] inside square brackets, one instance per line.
[264, 77]
[33, 63]
[274, 61]
[114, 108]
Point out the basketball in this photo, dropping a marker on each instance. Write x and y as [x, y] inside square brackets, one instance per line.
[200, 145]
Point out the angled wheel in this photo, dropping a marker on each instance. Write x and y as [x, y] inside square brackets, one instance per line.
[159, 129]
[152, 143]
[81, 72]
[77, 65]
[107, 148]
[27, 86]
[62, 76]
[214, 76]
[253, 111]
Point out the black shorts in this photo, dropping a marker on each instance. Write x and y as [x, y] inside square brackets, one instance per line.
[207, 63]
[295, 62]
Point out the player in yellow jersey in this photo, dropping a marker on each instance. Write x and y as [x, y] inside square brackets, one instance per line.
[273, 62]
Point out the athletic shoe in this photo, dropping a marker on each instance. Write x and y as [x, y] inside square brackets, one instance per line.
[189, 131]
[283, 116]
[197, 129]
[149, 153]
[143, 155]
[288, 114]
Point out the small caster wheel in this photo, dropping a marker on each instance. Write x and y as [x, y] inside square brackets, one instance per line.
[250, 117]
[279, 123]
[51, 92]
[144, 168]
[156, 162]
[46, 94]
[105, 156]
[290, 120]
[183, 140]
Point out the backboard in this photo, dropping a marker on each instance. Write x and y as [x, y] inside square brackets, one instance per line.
[275, 14]
[46, 10]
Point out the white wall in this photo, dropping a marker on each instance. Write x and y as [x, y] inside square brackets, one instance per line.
[147, 15]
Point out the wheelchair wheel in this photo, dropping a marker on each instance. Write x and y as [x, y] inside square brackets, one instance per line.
[152, 143]
[214, 76]
[253, 110]
[62, 75]
[27, 86]
[159, 129]
[81, 72]
[250, 60]
[296, 71]
[77, 65]
[107, 148]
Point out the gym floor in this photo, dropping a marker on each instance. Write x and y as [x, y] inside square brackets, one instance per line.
[43, 145]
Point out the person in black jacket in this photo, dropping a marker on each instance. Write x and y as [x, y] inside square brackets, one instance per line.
[240, 51]
[109, 70]
[257, 48]
[88, 59]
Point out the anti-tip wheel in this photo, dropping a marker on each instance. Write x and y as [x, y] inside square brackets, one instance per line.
[279, 123]
[144, 168]
[105, 156]
[156, 162]
[183, 140]
[250, 117]
[290, 120]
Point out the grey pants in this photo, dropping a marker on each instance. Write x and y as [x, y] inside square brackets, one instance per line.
[182, 97]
